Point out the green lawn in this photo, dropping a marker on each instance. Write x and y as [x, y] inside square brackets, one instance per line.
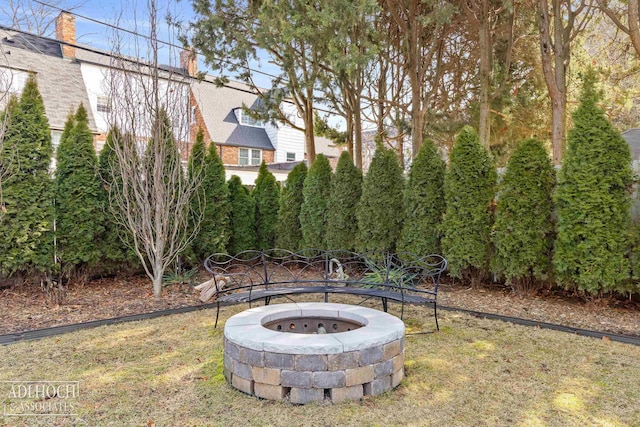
[165, 372]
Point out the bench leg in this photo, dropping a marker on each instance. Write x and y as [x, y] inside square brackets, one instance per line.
[435, 314]
[217, 313]
[267, 300]
[384, 304]
[402, 311]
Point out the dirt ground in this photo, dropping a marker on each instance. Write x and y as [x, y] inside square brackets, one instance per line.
[26, 307]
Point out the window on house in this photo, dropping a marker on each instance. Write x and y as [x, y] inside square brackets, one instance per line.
[249, 156]
[291, 157]
[247, 120]
[12, 81]
[193, 115]
[104, 104]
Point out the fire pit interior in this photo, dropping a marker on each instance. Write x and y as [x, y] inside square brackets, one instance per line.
[313, 325]
[313, 352]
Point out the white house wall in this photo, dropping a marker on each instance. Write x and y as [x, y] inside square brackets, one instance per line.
[288, 139]
[174, 93]
[95, 80]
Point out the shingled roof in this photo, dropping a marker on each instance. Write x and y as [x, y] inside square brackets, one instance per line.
[59, 79]
[218, 105]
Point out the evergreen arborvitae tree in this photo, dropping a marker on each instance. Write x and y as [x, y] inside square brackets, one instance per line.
[243, 227]
[592, 201]
[267, 197]
[288, 231]
[79, 215]
[115, 250]
[26, 239]
[211, 203]
[424, 203]
[380, 210]
[469, 188]
[523, 230]
[313, 214]
[346, 189]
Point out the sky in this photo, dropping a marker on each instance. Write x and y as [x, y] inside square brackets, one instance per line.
[132, 15]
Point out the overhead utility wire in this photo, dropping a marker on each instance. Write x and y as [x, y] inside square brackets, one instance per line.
[137, 62]
[135, 33]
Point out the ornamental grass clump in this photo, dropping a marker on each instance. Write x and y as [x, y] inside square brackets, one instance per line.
[524, 227]
[469, 188]
[592, 201]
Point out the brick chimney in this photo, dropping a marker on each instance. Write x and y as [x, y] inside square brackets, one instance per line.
[66, 32]
[189, 62]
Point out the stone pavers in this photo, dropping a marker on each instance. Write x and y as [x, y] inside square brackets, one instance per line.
[304, 368]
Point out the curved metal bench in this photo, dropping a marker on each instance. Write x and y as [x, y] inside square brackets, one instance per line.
[262, 275]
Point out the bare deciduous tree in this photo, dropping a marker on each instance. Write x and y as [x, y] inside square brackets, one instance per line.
[150, 196]
[559, 22]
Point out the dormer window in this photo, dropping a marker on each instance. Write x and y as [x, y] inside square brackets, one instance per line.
[247, 120]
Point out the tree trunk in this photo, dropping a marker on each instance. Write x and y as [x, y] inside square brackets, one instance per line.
[309, 138]
[157, 281]
[558, 126]
[357, 137]
[634, 32]
[485, 46]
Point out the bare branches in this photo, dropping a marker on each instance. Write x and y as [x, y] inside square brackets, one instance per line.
[34, 16]
[149, 105]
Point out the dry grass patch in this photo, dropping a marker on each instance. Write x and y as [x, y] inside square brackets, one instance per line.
[166, 372]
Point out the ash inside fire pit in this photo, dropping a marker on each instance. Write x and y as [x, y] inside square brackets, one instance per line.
[313, 325]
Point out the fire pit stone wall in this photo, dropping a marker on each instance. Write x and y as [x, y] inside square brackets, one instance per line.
[304, 368]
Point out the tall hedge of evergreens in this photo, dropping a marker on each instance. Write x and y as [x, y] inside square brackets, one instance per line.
[524, 226]
[288, 230]
[26, 238]
[469, 188]
[243, 227]
[116, 252]
[380, 211]
[424, 203]
[346, 189]
[267, 197]
[210, 205]
[313, 213]
[78, 204]
[592, 201]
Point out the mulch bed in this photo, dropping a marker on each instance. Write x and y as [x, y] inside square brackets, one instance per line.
[26, 307]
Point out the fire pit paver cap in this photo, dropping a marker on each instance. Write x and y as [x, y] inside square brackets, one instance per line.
[246, 330]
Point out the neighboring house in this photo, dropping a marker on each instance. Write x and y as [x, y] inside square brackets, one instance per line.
[69, 74]
[243, 142]
[59, 78]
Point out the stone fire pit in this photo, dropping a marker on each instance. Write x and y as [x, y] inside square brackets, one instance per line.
[312, 352]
